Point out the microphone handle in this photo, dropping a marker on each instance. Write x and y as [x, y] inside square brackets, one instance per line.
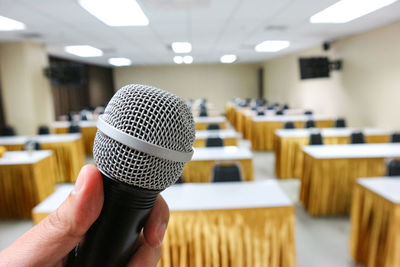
[110, 241]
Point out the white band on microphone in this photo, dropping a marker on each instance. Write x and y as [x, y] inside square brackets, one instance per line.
[140, 145]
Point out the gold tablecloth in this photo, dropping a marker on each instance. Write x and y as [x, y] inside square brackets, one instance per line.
[201, 171]
[375, 224]
[227, 142]
[230, 113]
[289, 155]
[24, 186]
[327, 184]
[203, 125]
[69, 158]
[262, 132]
[88, 135]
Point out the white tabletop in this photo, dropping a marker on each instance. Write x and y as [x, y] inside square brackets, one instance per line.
[43, 139]
[217, 133]
[66, 124]
[218, 119]
[23, 157]
[221, 153]
[386, 187]
[384, 150]
[200, 196]
[329, 132]
[294, 118]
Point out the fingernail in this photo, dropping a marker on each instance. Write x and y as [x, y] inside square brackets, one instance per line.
[161, 232]
[80, 181]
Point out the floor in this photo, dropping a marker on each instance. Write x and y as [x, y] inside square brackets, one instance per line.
[321, 242]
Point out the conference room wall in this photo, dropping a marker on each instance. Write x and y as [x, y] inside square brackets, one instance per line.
[217, 82]
[366, 91]
[27, 97]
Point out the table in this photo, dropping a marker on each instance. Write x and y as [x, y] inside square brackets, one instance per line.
[201, 123]
[229, 136]
[263, 127]
[68, 151]
[330, 173]
[210, 226]
[288, 145]
[26, 178]
[375, 222]
[88, 130]
[199, 169]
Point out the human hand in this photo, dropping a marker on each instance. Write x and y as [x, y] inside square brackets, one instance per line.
[49, 242]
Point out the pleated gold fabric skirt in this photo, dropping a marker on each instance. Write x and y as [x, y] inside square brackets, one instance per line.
[375, 224]
[203, 125]
[327, 184]
[24, 186]
[88, 135]
[227, 142]
[201, 171]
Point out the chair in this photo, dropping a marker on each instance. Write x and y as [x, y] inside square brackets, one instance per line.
[260, 113]
[270, 107]
[213, 127]
[357, 138]
[43, 130]
[393, 168]
[308, 112]
[395, 138]
[203, 113]
[32, 145]
[179, 181]
[279, 113]
[316, 139]
[285, 107]
[8, 131]
[84, 117]
[310, 124]
[340, 123]
[214, 142]
[74, 128]
[226, 173]
[289, 125]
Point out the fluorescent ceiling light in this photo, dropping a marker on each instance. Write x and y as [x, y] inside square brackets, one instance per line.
[348, 10]
[188, 59]
[272, 46]
[7, 24]
[116, 12]
[119, 61]
[181, 47]
[228, 59]
[178, 59]
[83, 51]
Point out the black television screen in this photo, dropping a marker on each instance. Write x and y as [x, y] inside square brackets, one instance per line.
[314, 67]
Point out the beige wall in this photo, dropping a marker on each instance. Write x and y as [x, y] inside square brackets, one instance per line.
[366, 91]
[218, 82]
[27, 97]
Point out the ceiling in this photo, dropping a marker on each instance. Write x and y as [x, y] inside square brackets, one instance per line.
[214, 27]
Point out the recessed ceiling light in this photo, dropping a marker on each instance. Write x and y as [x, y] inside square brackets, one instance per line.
[7, 24]
[181, 47]
[83, 51]
[116, 12]
[119, 61]
[178, 59]
[348, 10]
[272, 46]
[228, 59]
[188, 59]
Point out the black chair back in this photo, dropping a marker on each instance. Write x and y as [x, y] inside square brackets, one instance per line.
[32, 145]
[74, 128]
[289, 125]
[214, 142]
[260, 113]
[393, 168]
[285, 107]
[340, 123]
[308, 112]
[43, 130]
[310, 124]
[203, 113]
[316, 139]
[8, 131]
[213, 127]
[226, 173]
[395, 138]
[179, 181]
[279, 112]
[357, 138]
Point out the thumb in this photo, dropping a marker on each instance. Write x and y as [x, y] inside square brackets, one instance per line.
[52, 239]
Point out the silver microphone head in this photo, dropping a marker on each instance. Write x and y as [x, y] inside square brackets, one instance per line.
[144, 137]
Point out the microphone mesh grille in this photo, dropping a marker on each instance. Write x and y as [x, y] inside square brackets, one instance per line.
[152, 115]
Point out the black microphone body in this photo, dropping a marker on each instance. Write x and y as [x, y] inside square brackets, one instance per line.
[111, 240]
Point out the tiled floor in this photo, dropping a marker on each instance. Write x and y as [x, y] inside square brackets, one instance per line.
[320, 242]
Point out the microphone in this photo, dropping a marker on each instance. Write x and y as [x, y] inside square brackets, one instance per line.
[143, 141]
